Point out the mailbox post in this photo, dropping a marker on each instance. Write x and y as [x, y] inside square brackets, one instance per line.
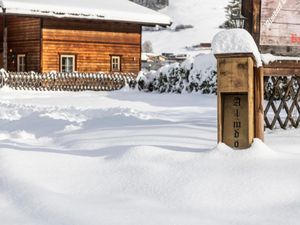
[236, 119]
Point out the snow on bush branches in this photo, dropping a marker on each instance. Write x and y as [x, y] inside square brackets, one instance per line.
[196, 74]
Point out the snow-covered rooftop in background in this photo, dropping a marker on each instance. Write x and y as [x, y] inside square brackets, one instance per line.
[236, 41]
[111, 10]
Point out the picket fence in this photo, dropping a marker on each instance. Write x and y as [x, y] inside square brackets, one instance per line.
[66, 81]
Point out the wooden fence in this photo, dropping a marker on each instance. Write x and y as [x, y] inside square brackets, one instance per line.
[282, 95]
[67, 81]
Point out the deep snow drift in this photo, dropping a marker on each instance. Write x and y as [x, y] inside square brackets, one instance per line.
[136, 158]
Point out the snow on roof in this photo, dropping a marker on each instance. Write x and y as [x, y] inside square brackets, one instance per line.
[111, 10]
[236, 41]
[146, 56]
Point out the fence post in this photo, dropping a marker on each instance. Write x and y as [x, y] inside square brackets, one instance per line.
[236, 100]
[259, 103]
[5, 61]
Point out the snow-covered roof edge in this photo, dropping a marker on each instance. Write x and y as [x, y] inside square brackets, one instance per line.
[112, 10]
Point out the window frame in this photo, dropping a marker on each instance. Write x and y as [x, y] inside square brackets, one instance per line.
[67, 55]
[119, 57]
[18, 62]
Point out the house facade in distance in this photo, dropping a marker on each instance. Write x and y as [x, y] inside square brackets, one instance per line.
[74, 35]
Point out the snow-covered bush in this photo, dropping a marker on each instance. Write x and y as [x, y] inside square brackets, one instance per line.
[196, 74]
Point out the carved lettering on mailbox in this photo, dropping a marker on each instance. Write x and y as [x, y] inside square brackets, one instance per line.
[235, 123]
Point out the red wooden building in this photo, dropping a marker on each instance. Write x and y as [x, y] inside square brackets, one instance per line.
[74, 35]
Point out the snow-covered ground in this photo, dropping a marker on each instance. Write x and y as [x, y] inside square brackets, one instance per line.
[205, 15]
[134, 158]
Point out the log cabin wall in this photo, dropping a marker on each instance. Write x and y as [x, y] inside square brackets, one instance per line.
[1, 42]
[92, 42]
[24, 37]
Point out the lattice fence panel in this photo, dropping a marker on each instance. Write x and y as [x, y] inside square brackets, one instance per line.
[67, 81]
[282, 95]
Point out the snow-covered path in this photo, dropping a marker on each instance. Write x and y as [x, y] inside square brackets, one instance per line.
[136, 158]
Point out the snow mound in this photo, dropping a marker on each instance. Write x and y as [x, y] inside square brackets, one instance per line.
[236, 41]
[257, 149]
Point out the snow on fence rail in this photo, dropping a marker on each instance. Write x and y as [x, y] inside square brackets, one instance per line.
[67, 81]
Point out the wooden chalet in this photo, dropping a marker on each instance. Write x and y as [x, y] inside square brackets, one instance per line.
[74, 35]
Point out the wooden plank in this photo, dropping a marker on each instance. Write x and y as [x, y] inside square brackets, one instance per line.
[287, 5]
[91, 57]
[284, 64]
[290, 15]
[256, 17]
[93, 43]
[90, 25]
[22, 28]
[5, 51]
[220, 119]
[281, 34]
[279, 20]
[24, 38]
[282, 68]
[235, 120]
[229, 81]
[91, 36]
[259, 103]
[251, 99]
[281, 71]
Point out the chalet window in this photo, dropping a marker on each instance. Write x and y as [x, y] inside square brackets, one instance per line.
[67, 63]
[116, 63]
[21, 63]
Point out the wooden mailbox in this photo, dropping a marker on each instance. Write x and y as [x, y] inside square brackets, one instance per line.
[236, 100]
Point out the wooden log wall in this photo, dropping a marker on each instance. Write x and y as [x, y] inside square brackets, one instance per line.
[92, 42]
[1, 41]
[24, 37]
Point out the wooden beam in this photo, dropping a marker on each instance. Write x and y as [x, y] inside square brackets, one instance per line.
[282, 68]
[5, 61]
[259, 103]
[281, 71]
[284, 64]
[256, 21]
[41, 45]
[234, 55]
